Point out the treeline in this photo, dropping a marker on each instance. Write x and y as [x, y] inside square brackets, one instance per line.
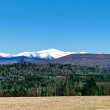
[29, 79]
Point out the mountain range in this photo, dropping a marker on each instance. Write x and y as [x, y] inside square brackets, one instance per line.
[44, 54]
[57, 56]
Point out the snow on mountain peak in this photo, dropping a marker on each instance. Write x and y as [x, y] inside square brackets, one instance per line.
[45, 54]
[5, 55]
[52, 53]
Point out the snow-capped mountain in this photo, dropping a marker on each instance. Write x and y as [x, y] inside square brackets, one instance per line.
[44, 54]
[58, 56]
[5, 55]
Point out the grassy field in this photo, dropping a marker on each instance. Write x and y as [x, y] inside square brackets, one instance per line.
[56, 103]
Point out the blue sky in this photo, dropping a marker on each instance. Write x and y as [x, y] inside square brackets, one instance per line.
[67, 25]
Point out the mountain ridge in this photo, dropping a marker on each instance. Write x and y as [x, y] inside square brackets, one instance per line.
[102, 60]
[57, 56]
[45, 54]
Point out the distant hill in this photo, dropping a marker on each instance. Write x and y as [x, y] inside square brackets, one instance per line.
[11, 60]
[34, 56]
[82, 59]
[56, 56]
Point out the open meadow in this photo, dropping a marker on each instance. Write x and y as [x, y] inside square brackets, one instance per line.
[56, 103]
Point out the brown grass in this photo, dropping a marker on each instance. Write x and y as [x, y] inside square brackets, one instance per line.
[56, 103]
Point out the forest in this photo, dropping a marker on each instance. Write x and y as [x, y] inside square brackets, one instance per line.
[34, 80]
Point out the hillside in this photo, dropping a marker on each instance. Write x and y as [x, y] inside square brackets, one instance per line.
[30, 79]
[102, 60]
